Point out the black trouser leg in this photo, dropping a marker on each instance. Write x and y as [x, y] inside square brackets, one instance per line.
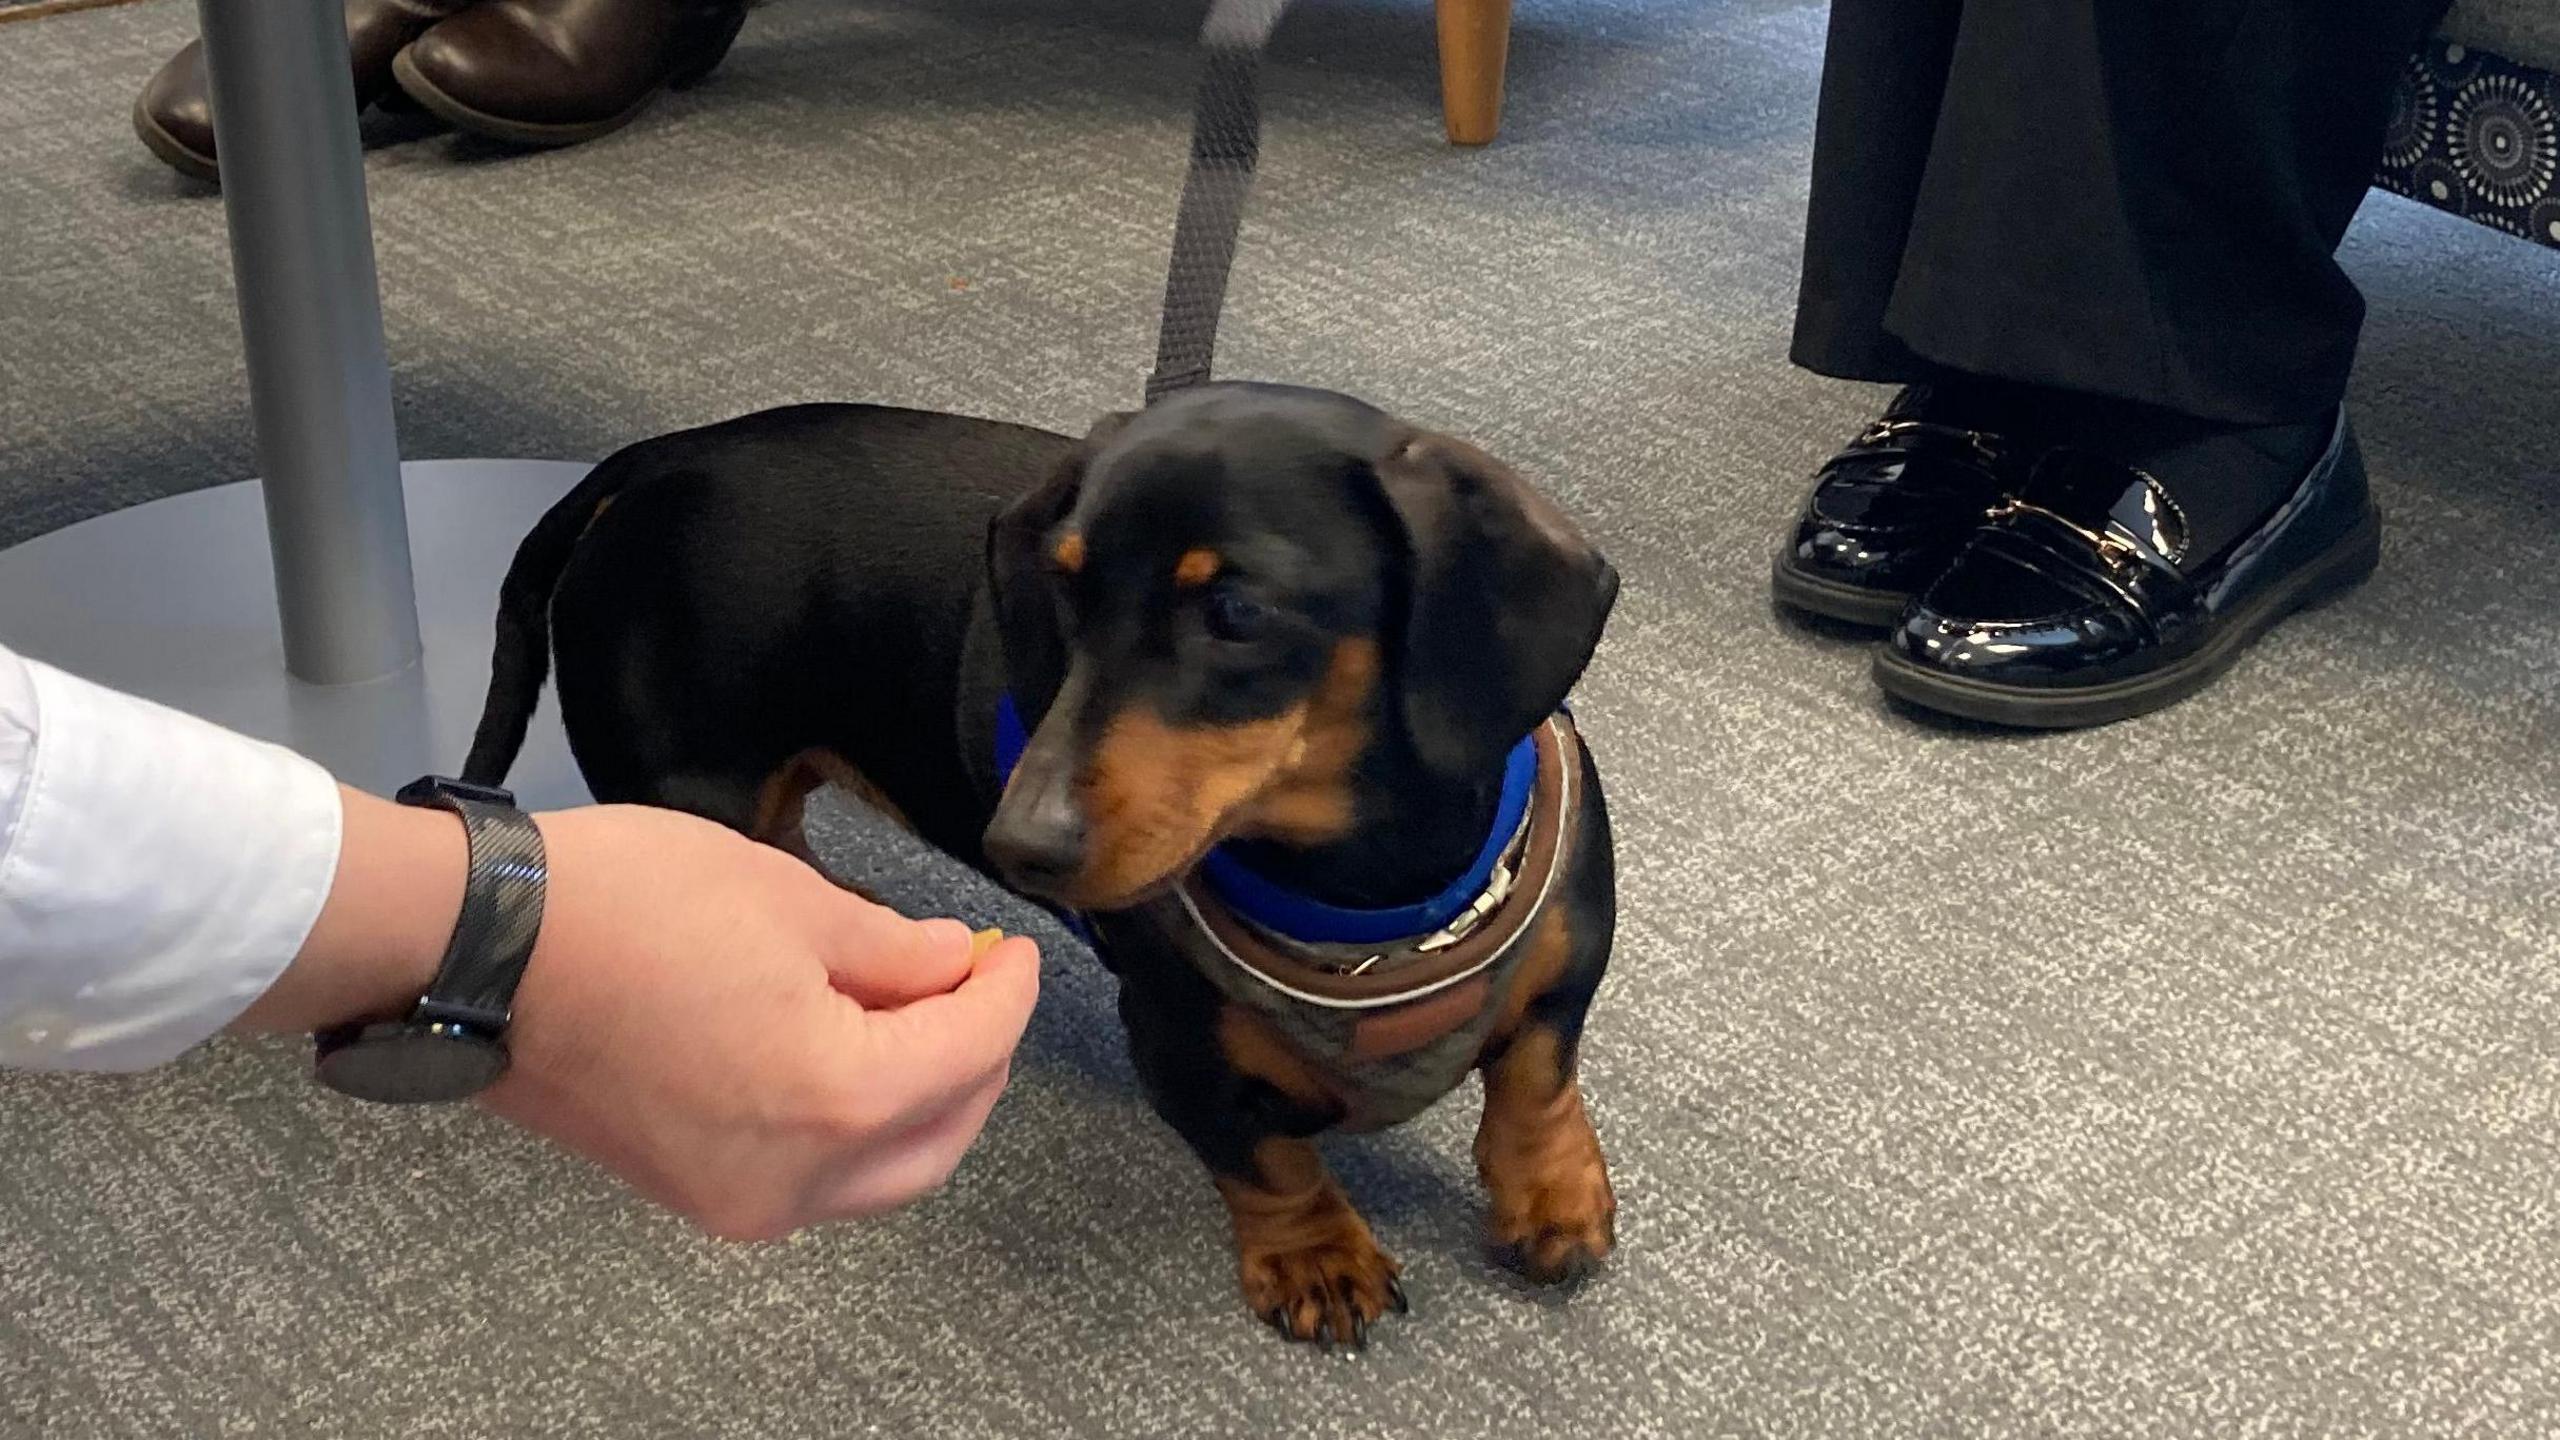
[2136, 199]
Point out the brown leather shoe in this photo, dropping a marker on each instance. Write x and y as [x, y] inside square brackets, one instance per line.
[174, 114]
[555, 72]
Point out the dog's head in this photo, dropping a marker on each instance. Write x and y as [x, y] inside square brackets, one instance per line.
[1228, 610]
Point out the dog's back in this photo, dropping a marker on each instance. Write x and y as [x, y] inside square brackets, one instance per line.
[821, 558]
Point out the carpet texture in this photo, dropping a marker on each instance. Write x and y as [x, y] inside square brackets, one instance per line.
[2193, 1077]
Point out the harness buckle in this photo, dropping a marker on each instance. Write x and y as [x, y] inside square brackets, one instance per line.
[1498, 887]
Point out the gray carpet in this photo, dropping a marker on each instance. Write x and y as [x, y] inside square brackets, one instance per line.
[2193, 1077]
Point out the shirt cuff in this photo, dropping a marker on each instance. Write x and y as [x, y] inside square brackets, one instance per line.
[163, 871]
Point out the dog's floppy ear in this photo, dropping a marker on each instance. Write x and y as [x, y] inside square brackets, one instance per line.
[1507, 601]
[1017, 573]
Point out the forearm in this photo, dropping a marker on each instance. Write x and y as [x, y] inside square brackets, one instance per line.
[380, 934]
[157, 873]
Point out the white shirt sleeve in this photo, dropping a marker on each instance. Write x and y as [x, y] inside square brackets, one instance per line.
[157, 872]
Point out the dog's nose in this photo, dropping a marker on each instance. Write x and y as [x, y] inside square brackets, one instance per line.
[1040, 845]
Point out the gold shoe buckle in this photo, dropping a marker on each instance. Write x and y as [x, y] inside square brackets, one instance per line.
[2115, 549]
[1985, 446]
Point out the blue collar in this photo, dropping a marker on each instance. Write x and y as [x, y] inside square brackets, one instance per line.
[1292, 916]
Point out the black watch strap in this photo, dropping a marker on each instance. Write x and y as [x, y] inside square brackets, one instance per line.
[452, 1043]
[501, 906]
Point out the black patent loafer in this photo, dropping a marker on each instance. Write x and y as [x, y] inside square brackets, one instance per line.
[1888, 513]
[2075, 603]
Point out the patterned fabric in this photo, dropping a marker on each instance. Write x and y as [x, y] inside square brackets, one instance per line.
[2478, 135]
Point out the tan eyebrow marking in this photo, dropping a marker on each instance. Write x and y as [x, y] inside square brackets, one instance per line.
[1069, 554]
[1196, 568]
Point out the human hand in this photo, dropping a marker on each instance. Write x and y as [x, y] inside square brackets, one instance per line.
[744, 1042]
[705, 1016]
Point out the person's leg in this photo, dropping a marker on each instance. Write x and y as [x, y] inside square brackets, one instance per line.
[1888, 512]
[2139, 199]
[2193, 166]
[1885, 68]
[2127, 211]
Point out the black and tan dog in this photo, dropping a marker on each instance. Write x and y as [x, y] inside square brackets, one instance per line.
[1292, 672]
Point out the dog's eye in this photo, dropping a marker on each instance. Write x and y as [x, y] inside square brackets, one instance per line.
[1236, 617]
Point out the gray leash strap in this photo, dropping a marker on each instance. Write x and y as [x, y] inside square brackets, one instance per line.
[1226, 138]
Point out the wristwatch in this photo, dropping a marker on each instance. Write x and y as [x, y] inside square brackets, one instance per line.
[453, 1044]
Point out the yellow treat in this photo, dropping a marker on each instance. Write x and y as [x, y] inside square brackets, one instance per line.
[983, 941]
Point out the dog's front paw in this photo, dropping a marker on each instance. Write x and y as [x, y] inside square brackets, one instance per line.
[1554, 1217]
[1329, 1290]
[1557, 1225]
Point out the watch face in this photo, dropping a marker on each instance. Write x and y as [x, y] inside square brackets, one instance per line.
[410, 1063]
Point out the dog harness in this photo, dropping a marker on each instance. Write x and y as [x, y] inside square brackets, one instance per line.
[1390, 1006]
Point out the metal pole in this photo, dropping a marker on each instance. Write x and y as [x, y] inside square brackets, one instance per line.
[284, 116]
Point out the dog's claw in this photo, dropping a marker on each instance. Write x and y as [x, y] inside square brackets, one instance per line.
[1354, 1312]
[1395, 1293]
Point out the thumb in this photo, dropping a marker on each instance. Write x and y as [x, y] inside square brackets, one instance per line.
[918, 1055]
[882, 959]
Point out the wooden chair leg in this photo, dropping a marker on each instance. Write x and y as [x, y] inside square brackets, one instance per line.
[1475, 44]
